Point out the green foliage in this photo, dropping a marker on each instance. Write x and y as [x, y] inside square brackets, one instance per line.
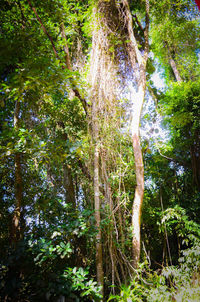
[89, 291]
[170, 22]
[71, 282]
[176, 219]
[133, 292]
[181, 105]
[179, 283]
[33, 272]
[56, 253]
[50, 251]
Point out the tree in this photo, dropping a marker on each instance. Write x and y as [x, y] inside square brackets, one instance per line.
[139, 63]
[72, 171]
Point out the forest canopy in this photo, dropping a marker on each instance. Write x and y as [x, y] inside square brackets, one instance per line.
[100, 150]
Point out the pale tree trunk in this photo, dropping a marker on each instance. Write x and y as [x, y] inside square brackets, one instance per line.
[175, 70]
[138, 62]
[139, 170]
[18, 183]
[172, 62]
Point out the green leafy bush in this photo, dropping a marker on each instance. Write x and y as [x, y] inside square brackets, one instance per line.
[173, 283]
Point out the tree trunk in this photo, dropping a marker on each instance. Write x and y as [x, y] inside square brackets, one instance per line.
[175, 70]
[18, 183]
[99, 258]
[96, 99]
[139, 170]
[138, 62]
[97, 202]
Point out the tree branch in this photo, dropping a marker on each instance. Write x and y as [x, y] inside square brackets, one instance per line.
[138, 22]
[44, 30]
[67, 57]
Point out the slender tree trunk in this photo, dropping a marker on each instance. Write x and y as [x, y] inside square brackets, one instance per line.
[139, 170]
[99, 257]
[97, 201]
[172, 62]
[175, 70]
[18, 182]
[140, 69]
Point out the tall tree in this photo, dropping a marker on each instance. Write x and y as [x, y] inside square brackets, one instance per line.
[138, 59]
[66, 71]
